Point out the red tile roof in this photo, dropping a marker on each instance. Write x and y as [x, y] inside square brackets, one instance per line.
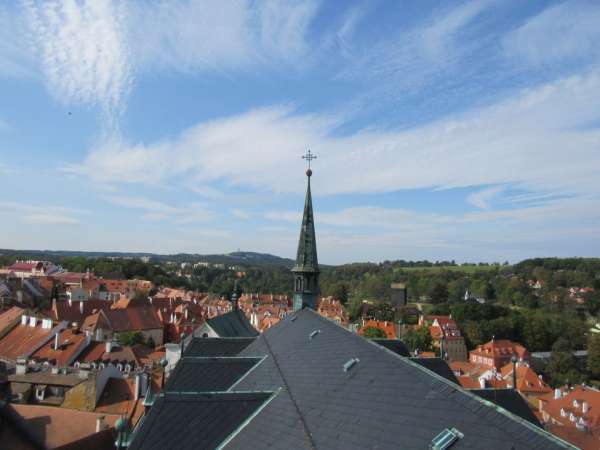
[387, 327]
[96, 352]
[58, 427]
[70, 343]
[23, 340]
[131, 319]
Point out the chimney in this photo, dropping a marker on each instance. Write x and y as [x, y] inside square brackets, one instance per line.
[557, 394]
[108, 347]
[32, 321]
[70, 299]
[584, 407]
[24, 319]
[136, 392]
[482, 382]
[100, 425]
[81, 307]
[54, 304]
[56, 341]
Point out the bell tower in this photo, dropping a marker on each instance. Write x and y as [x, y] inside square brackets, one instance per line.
[306, 270]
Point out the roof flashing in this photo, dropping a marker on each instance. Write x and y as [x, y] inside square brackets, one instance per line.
[350, 364]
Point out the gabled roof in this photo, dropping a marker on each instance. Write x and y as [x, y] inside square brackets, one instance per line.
[395, 345]
[510, 400]
[195, 420]
[383, 400]
[208, 374]
[437, 365]
[232, 324]
[216, 346]
[133, 319]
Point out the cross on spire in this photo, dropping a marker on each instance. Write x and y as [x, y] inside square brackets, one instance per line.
[309, 157]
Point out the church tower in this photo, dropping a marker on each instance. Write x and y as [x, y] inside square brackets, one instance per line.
[306, 270]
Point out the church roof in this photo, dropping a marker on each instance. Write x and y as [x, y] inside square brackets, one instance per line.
[382, 400]
[216, 346]
[232, 324]
[196, 420]
[208, 374]
[306, 256]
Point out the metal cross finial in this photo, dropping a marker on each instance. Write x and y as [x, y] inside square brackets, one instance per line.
[309, 157]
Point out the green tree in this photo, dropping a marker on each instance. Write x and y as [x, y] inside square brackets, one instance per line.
[418, 339]
[373, 333]
[438, 293]
[563, 366]
[593, 359]
[130, 338]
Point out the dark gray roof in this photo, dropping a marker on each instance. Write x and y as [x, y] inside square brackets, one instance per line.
[194, 421]
[216, 346]
[306, 256]
[395, 345]
[437, 365]
[232, 324]
[208, 374]
[383, 401]
[510, 400]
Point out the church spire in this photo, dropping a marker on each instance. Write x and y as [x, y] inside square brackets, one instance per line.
[306, 270]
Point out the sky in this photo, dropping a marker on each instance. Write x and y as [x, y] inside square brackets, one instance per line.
[465, 130]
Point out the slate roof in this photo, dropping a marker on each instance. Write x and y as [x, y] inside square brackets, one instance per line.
[510, 400]
[383, 401]
[208, 374]
[395, 345]
[216, 346]
[439, 366]
[232, 324]
[195, 420]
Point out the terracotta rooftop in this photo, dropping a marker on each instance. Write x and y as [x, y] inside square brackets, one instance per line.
[69, 344]
[143, 318]
[59, 427]
[96, 352]
[9, 318]
[23, 340]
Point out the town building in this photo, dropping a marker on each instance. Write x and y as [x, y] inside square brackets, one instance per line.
[498, 353]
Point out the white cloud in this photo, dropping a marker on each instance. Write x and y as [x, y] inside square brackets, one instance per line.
[42, 214]
[567, 32]
[16, 58]
[481, 199]
[159, 211]
[532, 141]
[91, 50]
[49, 219]
[412, 57]
[84, 54]
[240, 214]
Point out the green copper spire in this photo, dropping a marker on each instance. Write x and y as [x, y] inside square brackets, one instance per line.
[306, 270]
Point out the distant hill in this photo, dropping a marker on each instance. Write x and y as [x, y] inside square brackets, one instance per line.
[234, 258]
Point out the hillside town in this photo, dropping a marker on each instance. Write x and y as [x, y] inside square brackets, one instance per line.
[112, 355]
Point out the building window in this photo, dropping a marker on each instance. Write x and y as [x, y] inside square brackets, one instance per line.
[298, 284]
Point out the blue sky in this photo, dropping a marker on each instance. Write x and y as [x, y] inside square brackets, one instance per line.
[444, 130]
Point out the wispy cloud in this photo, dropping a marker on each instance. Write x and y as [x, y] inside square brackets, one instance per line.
[564, 34]
[523, 141]
[91, 51]
[159, 211]
[481, 199]
[43, 214]
[84, 54]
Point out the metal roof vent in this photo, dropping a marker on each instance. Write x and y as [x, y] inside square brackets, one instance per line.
[445, 439]
[313, 334]
[351, 363]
